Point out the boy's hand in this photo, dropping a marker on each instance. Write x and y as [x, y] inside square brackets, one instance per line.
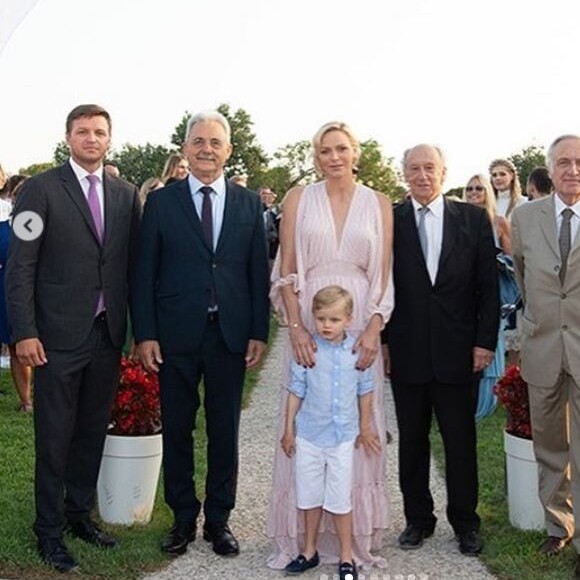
[370, 442]
[288, 443]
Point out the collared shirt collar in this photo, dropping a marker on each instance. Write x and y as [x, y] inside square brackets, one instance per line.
[81, 172]
[560, 206]
[345, 344]
[436, 206]
[219, 185]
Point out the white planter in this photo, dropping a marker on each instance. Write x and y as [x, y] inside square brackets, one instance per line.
[525, 509]
[128, 478]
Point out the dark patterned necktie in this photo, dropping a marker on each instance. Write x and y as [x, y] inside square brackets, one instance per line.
[565, 241]
[207, 214]
[207, 226]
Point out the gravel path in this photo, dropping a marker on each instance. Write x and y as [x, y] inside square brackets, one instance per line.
[439, 558]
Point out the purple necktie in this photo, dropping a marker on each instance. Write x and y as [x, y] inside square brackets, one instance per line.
[95, 207]
[207, 226]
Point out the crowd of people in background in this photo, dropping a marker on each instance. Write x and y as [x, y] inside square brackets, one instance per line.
[427, 291]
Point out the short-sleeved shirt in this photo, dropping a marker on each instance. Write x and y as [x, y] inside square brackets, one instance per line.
[329, 391]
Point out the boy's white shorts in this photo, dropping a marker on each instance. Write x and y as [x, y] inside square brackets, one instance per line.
[324, 476]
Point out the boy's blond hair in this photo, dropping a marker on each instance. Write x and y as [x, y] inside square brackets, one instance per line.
[329, 296]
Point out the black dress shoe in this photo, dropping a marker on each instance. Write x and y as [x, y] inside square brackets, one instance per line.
[223, 541]
[553, 545]
[179, 536]
[470, 543]
[347, 571]
[412, 537]
[301, 564]
[54, 553]
[87, 531]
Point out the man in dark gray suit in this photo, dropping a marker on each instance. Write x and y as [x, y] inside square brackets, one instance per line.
[67, 292]
[200, 309]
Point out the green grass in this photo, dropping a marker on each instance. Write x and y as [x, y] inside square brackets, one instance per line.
[139, 545]
[509, 553]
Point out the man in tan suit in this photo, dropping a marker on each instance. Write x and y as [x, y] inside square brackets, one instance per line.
[546, 252]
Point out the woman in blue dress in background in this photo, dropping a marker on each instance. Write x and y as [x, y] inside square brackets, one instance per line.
[21, 375]
[479, 191]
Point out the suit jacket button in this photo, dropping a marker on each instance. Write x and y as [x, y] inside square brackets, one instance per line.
[564, 327]
[214, 265]
[556, 268]
[563, 295]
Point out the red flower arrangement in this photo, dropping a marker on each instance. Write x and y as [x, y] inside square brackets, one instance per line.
[512, 393]
[136, 410]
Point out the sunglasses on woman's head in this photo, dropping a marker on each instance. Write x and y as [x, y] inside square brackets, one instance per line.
[475, 188]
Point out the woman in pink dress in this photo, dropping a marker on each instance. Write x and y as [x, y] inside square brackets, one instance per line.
[334, 232]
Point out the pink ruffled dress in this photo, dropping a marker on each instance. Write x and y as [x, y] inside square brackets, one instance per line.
[356, 263]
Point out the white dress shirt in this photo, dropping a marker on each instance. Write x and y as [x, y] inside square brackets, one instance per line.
[218, 202]
[434, 229]
[81, 174]
[574, 221]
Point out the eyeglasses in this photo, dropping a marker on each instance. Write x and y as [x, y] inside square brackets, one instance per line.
[475, 188]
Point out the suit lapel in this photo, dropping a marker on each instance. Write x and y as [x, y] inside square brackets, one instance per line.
[230, 211]
[548, 226]
[451, 229]
[73, 188]
[111, 201]
[412, 244]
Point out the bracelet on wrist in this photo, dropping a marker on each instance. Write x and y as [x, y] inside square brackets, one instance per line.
[294, 325]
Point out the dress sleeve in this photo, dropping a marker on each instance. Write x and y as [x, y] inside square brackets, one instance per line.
[381, 293]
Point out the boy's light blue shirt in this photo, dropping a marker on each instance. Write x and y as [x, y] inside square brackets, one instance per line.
[329, 391]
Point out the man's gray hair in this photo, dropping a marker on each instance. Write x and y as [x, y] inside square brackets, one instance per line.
[436, 147]
[550, 152]
[209, 116]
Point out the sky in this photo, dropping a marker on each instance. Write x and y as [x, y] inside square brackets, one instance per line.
[480, 79]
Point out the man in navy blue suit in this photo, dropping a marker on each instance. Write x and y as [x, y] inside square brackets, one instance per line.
[200, 310]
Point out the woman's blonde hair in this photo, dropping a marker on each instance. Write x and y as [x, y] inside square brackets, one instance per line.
[489, 200]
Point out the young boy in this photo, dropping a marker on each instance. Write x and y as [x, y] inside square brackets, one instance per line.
[323, 425]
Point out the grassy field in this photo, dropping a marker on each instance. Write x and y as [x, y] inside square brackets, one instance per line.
[509, 553]
[139, 545]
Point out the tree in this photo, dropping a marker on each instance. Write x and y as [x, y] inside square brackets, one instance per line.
[293, 167]
[247, 157]
[178, 136]
[61, 153]
[526, 160]
[378, 172]
[139, 162]
[35, 168]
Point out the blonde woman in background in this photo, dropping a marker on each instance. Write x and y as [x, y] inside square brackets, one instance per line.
[149, 185]
[508, 192]
[479, 191]
[176, 168]
[506, 186]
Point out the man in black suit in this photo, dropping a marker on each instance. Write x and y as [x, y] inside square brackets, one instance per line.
[67, 293]
[442, 330]
[200, 309]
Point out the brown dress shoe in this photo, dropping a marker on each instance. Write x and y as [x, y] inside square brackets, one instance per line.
[553, 545]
